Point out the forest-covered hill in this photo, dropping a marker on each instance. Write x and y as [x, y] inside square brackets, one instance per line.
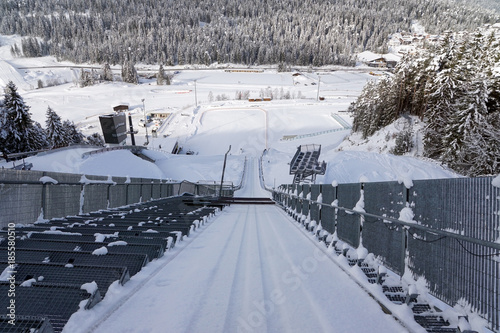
[310, 32]
[455, 89]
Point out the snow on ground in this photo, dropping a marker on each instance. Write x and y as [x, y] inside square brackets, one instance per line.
[357, 166]
[205, 119]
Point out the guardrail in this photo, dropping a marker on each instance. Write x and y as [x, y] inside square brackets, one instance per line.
[338, 119]
[446, 230]
[30, 196]
[134, 149]
[243, 174]
[310, 135]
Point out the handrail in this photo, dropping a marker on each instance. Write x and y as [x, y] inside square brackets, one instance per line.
[402, 223]
[238, 187]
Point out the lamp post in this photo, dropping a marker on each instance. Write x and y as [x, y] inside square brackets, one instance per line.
[195, 94]
[319, 82]
[223, 170]
[145, 122]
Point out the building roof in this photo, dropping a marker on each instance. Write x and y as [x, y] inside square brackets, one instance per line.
[368, 56]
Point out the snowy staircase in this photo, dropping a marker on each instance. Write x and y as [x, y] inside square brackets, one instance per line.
[427, 316]
[67, 261]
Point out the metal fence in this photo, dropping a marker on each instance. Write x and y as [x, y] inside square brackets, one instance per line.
[30, 196]
[446, 230]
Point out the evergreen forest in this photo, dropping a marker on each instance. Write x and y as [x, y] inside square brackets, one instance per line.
[255, 32]
[455, 89]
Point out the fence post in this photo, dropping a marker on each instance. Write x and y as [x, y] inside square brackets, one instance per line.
[43, 204]
[126, 194]
[404, 236]
[404, 248]
[140, 196]
[361, 216]
[108, 203]
[82, 198]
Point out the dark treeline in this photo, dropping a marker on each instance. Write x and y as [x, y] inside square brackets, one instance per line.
[310, 32]
[455, 89]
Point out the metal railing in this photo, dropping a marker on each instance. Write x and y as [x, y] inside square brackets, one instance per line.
[30, 196]
[446, 230]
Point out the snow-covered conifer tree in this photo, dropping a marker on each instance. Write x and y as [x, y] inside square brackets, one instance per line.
[85, 79]
[441, 94]
[56, 134]
[37, 138]
[129, 73]
[160, 76]
[15, 121]
[95, 140]
[73, 135]
[107, 74]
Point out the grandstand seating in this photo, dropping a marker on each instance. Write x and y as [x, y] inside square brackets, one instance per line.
[57, 257]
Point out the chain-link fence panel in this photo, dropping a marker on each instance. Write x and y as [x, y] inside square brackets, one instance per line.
[455, 268]
[348, 224]
[306, 189]
[20, 202]
[118, 192]
[328, 216]
[381, 237]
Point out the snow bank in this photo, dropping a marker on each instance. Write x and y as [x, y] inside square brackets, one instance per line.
[496, 181]
[47, 179]
[90, 287]
[351, 166]
[100, 251]
[7, 273]
[28, 283]
[407, 215]
[117, 243]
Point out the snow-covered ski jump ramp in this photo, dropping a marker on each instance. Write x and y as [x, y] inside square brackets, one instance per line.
[251, 270]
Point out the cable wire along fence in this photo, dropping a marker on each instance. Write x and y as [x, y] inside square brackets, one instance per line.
[446, 230]
[30, 196]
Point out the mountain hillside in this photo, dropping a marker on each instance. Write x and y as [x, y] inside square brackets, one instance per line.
[312, 32]
[455, 89]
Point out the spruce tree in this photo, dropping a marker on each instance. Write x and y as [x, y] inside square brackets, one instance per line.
[15, 122]
[56, 134]
[160, 76]
[96, 140]
[85, 79]
[107, 74]
[455, 89]
[129, 73]
[73, 135]
[441, 94]
[37, 138]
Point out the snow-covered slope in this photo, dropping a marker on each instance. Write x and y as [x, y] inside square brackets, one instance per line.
[205, 119]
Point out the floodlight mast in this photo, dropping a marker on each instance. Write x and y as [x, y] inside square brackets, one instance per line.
[145, 122]
[131, 132]
[223, 170]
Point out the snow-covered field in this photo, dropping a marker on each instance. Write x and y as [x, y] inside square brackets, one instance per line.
[205, 119]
